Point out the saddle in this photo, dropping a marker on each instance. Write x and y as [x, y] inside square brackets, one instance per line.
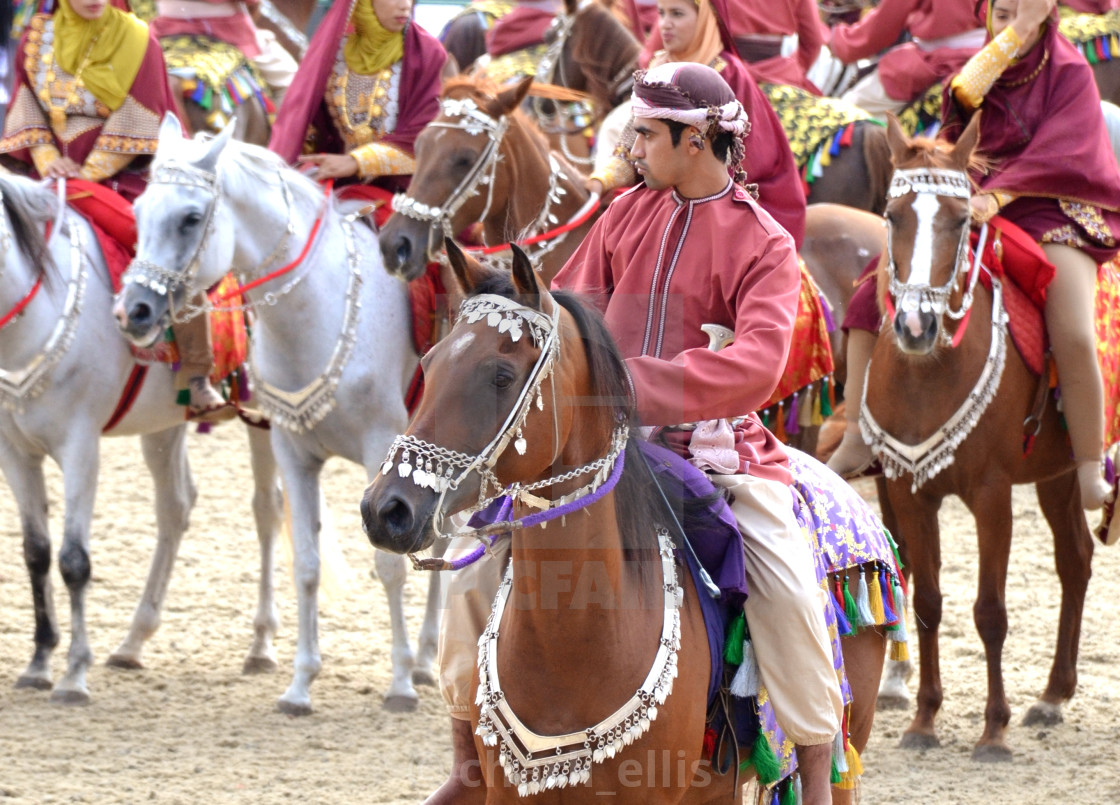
[215, 75]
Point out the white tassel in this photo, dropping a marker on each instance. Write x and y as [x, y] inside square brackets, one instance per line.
[745, 682]
[797, 789]
[838, 753]
[863, 603]
[899, 635]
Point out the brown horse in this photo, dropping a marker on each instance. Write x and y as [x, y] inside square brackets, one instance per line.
[523, 363]
[482, 161]
[932, 444]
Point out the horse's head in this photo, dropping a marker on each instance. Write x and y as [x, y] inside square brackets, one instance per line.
[592, 51]
[183, 244]
[456, 181]
[928, 222]
[499, 408]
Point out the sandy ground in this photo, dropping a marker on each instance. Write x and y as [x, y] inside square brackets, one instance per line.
[190, 728]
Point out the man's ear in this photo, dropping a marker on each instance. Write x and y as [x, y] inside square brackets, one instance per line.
[695, 138]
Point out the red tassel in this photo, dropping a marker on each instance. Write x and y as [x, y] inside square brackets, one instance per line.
[838, 592]
[846, 137]
[709, 742]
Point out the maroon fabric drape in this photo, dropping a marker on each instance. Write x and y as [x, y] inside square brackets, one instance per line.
[304, 105]
[521, 28]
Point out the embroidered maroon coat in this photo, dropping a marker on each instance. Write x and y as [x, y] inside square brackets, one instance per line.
[659, 266]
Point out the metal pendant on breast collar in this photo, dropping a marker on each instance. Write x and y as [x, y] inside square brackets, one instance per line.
[17, 386]
[301, 410]
[925, 460]
[474, 121]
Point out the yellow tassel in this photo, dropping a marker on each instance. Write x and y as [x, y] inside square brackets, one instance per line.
[876, 600]
[855, 768]
[899, 651]
[817, 419]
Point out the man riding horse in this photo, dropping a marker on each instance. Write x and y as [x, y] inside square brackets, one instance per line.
[660, 267]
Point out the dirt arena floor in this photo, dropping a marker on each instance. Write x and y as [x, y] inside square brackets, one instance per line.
[189, 728]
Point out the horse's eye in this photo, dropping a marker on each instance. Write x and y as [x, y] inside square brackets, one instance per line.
[192, 219]
[503, 379]
[462, 163]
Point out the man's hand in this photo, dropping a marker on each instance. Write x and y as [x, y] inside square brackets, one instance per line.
[1028, 21]
[330, 166]
[63, 166]
[983, 206]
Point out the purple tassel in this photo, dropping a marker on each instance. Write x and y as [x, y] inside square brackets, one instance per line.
[244, 393]
[829, 322]
[843, 628]
[203, 427]
[888, 615]
[1109, 470]
[791, 419]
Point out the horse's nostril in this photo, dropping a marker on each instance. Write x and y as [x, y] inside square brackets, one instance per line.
[140, 315]
[396, 516]
[404, 250]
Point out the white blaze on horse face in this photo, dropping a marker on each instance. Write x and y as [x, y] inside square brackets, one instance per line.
[461, 343]
[925, 206]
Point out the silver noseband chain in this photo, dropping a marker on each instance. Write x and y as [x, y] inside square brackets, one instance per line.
[942, 183]
[470, 118]
[441, 469]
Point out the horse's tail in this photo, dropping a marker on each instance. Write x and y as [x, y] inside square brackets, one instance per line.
[877, 157]
[334, 571]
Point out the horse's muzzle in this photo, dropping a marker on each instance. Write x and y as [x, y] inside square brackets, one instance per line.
[138, 318]
[393, 521]
[404, 244]
[916, 331]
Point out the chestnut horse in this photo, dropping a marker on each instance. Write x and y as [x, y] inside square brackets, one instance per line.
[944, 409]
[482, 161]
[538, 372]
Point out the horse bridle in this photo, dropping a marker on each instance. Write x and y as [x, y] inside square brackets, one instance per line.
[941, 183]
[471, 119]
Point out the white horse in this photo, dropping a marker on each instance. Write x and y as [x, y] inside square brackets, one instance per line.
[63, 368]
[331, 353]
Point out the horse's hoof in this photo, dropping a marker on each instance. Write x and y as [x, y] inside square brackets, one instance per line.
[892, 701]
[1043, 714]
[34, 683]
[399, 704]
[423, 676]
[76, 697]
[992, 753]
[919, 740]
[259, 665]
[125, 662]
[293, 708]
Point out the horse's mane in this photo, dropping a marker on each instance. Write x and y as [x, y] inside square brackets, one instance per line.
[930, 153]
[638, 507]
[27, 204]
[603, 47]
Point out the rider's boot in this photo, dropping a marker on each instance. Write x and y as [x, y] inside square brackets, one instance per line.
[465, 784]
[1069, 322]
[853, 455]
[196, 361]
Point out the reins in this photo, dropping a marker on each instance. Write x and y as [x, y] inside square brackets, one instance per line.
[582, 216]
[22, 303]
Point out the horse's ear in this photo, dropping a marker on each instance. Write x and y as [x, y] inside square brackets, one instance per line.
[469, 273]
[572, 6]
[170, 129]
[897, 140]
[967, 142]
[209, 160]
[525, 279]
[509, 99]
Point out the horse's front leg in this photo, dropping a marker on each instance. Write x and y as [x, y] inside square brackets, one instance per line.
[268, 505]
[423, 672]
[991, 506]
[24, 474]
[1073, 554]
[79, 459]
[300, 471]
[917, 522]
[165, 454]
[392, 569]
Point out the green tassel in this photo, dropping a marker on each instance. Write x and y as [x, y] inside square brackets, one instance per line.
[764, 760]
[183, 397]
[835, 778]
[826, 404]
[851, 611]
[894, 549]
[766, 419]
[788, 796]
[733, 646]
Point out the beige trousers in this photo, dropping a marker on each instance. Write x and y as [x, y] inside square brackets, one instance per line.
[196, 351]
[783, 614]
[868, 94]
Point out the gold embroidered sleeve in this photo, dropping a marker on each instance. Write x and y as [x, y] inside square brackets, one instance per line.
[616, 173]
[100, 165]
[974, 80]
[131, 130]
[43, 156]
[381, 159]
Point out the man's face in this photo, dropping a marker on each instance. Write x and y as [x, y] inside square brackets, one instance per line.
[655, 157]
